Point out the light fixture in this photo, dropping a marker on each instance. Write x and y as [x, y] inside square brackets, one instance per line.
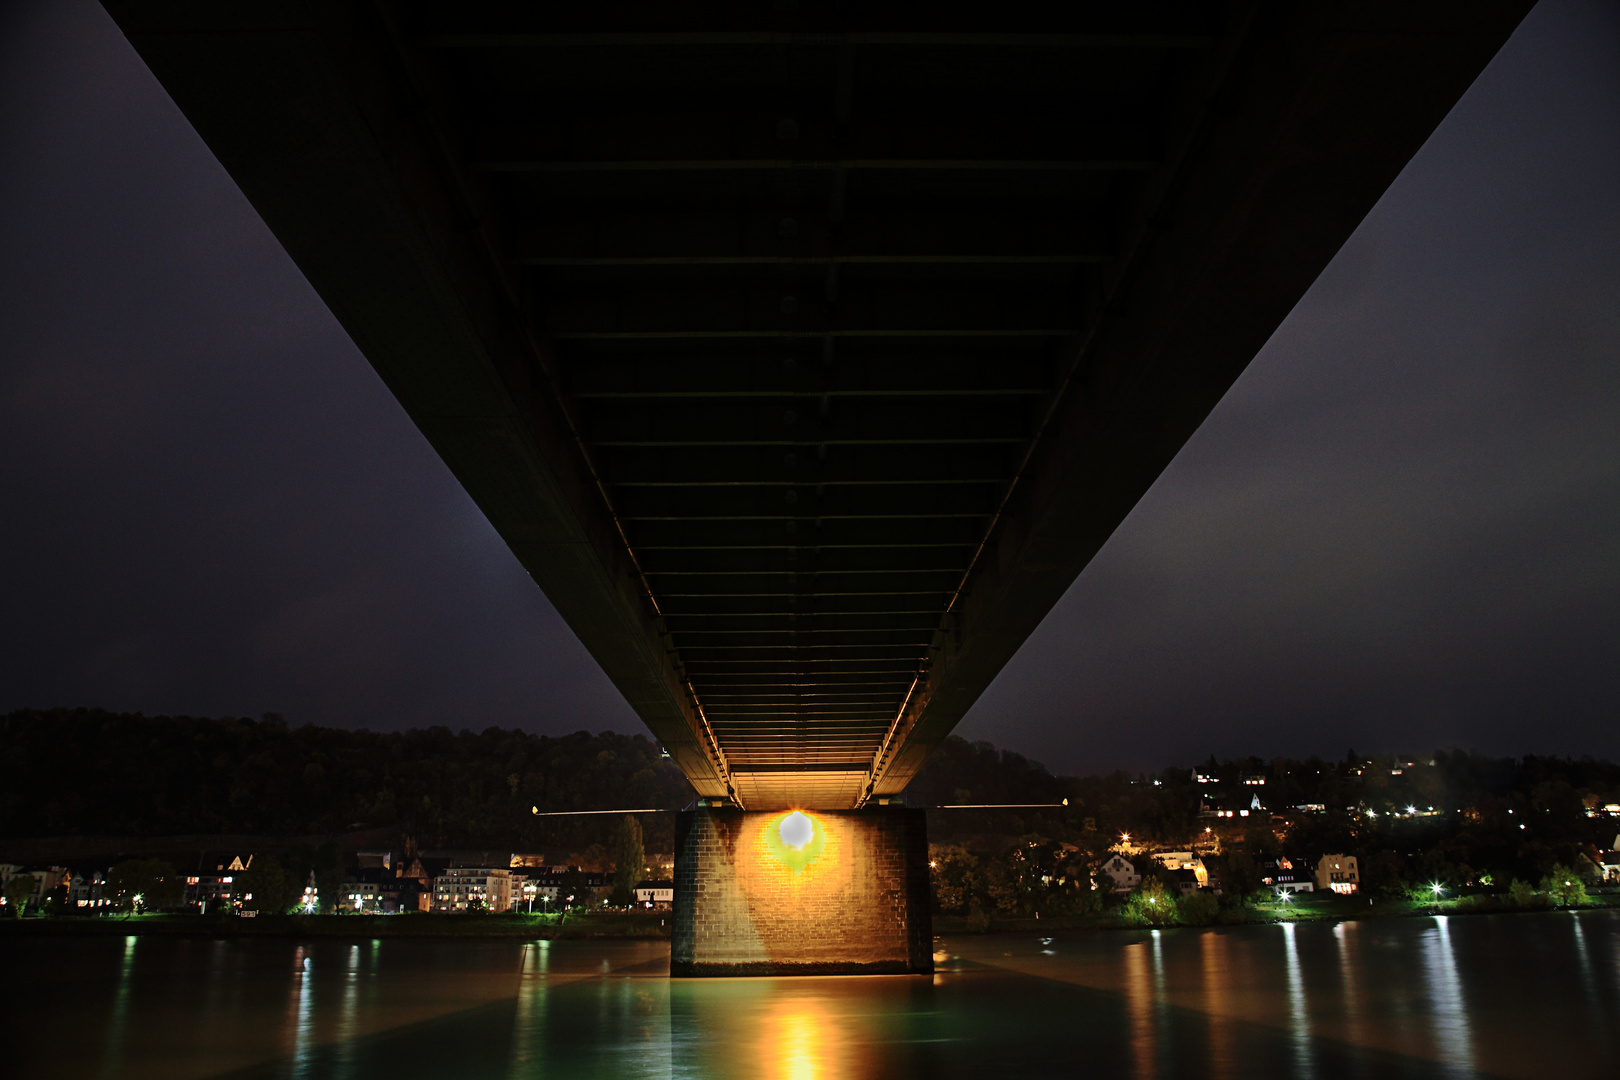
[797, 830]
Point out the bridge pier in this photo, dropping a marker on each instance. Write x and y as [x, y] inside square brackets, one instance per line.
[811, 893]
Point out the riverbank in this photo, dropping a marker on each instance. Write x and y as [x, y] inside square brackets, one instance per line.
[571, 926]
[652, 925]
[1306, 907]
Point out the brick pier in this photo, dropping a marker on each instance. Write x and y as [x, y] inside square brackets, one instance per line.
[854, 900]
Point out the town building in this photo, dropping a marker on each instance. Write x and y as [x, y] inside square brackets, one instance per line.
[360, 897]
[657, 895]
[1175, 860]
[471, 888]
[1119, 874]
[533, 888]
[86, 893]
[1188, 862]
[1285, 876]
[1340, 873]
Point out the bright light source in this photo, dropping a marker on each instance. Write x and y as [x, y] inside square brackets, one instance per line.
[797, 830]
[1438, 888]
[1411, 810]
[1124, 837]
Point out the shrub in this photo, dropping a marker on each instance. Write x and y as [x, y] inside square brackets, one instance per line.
[1197, 908]
[1521, 894]
[1150, 905]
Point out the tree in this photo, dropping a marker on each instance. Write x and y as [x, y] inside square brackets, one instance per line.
[1564, 887]
[19, 890]
[265, 886]
[144, 885]
[952, 871]
[1240, 877]
[629, 860]
[1151, 904]
[1197, 908]
[593, 860]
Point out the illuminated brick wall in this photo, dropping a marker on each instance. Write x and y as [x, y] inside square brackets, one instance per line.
[853, 899]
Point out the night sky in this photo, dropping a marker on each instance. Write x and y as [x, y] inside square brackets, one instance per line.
[1399, 531]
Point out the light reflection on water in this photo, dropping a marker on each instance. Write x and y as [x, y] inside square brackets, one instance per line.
[1515, 996]
[118, 1015]
[1454, 1041]
[1299, 1013]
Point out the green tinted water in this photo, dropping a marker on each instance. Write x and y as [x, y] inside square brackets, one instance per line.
[1509, 996]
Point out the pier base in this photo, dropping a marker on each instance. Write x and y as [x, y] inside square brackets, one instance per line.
[851, 898]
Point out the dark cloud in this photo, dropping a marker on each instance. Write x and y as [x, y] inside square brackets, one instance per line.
[1400, 529]
[212, 504]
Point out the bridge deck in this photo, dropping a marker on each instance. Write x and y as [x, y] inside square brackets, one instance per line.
[805, 353]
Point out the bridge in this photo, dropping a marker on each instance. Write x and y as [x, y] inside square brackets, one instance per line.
[804, 352]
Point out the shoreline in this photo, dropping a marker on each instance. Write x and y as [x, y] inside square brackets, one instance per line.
[646, 926]
[1337, 910]
[605, 925]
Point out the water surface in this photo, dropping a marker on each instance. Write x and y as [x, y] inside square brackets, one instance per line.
[1498, 996]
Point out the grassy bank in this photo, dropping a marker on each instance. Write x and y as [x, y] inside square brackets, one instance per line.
[605, 924]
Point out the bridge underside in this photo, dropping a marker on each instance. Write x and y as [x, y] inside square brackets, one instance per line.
[805, 353]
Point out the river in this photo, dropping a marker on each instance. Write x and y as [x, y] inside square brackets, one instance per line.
[1490, 996]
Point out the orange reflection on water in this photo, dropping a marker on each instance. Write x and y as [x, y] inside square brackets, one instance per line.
[1139, 1004]
[800, 1039]
[1217, 971]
